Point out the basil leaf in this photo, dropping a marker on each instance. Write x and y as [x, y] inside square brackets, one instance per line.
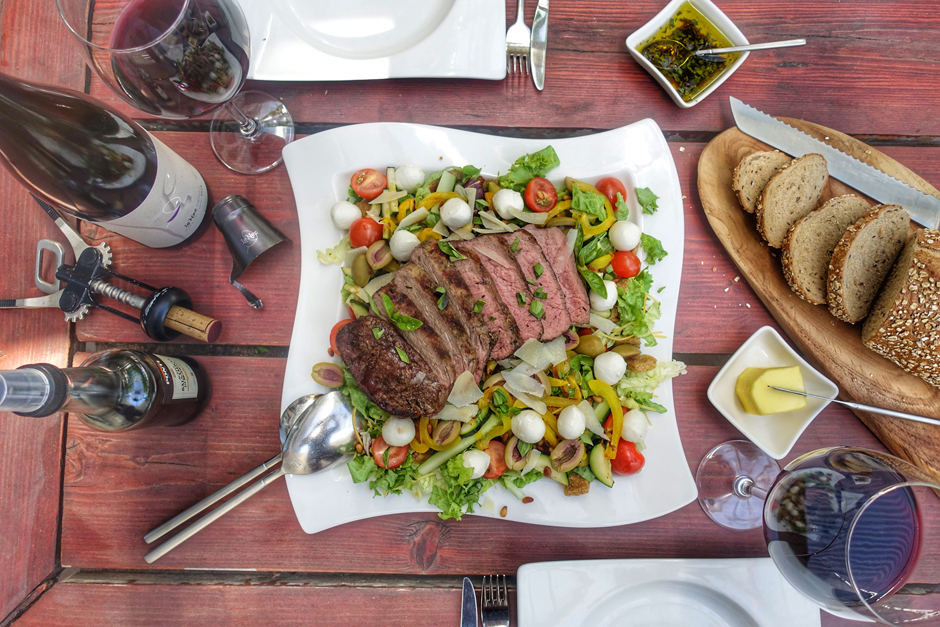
[389, 307]
[478, 306]
[623, 211]
[515, 245]
[540, 293]
[520, 298]
[406, 323]
[536, 309]
[523, 448]
[443, 300]
[597, 247]
[378, 333]
[594, 282]
[538, 269]
[402, 355]
[578, 242]
[448, 249]
[647, 199]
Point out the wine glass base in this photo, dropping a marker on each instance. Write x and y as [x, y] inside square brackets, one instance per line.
[720, 476]
[257, 153]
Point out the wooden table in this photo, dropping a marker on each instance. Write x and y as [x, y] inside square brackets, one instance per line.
[75, 504]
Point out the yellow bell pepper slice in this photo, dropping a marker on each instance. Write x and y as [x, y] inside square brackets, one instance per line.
[558, 401]
[550, 436]
[600, 263]
[495, 432]
[417, 446]
[561, 207]
[427, 234]
[616, 411]
[405, 208]
[437, 197]
[591, 231]
[423, 432]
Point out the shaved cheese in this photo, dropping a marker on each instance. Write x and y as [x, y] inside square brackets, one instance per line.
[465, 232]
[602, 324]
[508, 362]
[487, 231]
[527, 400]
[528, 216]
[525, 369]
[387, 196]
[465, 390]
[569, 249]
[531, 460]
[460, 414]
[497, 258]
[441, 229]
[490, 220]
[418, 378]
[378, 283]
[524, 384]
[352, 254]
[530, 352]
[418, 215]
[590, 420]
[555, 351]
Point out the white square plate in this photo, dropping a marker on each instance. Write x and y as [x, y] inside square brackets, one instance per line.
[748, 592]
[775, 434]
[320, 167]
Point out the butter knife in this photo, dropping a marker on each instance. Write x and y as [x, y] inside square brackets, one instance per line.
[539, 43]
[468, 605]
[923, 208]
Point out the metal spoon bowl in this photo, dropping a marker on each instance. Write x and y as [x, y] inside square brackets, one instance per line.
[673, 54]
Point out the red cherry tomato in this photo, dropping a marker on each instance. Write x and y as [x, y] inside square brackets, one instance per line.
[625, 264]
[336, 327]
[610, 187]
[540, 195]
[368, 183]
[629, 461]
[396, 454]
[585, 331]
[364, 232]
[497, 452]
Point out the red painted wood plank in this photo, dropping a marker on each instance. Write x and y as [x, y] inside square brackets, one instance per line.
[32, 47]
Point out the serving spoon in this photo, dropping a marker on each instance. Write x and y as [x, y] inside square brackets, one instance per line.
[321, 433]
[673, 54]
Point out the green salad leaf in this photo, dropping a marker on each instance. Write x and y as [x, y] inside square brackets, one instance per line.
[595, 282]
[637, 316]
[588, 202]
[383, 481]
[621, 211]
[653, 248]
[647, 199]
[405, 323]
[425, 190]
[528, 167]
[597, 247]
[373, 416]
[460, 493]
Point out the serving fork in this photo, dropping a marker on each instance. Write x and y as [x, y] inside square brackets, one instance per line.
[495, 610]
[517, 44]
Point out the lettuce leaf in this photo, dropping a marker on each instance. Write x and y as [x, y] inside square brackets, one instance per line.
[459, 494]
[527, 167]
[653, 248]
[636, 316]
[383, 481]
[588, 202]
[373, 416]
[647, 199]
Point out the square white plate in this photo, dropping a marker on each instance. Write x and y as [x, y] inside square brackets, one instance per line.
[744, 592]
[312, 40]
[320, 167]
[775, 434]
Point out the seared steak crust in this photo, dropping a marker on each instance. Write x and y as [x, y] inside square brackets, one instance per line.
[554, 246]
[542, 283]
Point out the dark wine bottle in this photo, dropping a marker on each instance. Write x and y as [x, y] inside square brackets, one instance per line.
[114, 390]
[93, 163]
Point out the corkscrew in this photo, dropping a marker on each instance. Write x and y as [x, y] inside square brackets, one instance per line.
[164, 314]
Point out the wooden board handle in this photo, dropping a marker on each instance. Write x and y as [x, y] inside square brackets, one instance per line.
[193, 324]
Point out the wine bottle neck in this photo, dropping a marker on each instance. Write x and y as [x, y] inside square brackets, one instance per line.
[91, 391]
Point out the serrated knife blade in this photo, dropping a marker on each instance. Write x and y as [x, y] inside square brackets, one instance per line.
[923, 208]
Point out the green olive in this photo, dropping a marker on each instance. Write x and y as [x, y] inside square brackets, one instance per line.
[446, 433]
[327, 374]
[590, 345]
[379, 254]
[361, 272]
[626, 350]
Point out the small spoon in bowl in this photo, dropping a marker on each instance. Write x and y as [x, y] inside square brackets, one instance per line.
[670, 54]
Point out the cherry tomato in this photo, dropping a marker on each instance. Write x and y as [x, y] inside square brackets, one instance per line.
[336, 327]
[629, 461]
[610, 187]
[625, 264]
[540, 195]
[396, 454]
[368, 183]
[497, 452]
[364, 232]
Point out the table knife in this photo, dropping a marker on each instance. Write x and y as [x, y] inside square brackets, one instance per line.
[539, 43]
[468, 605]
[923, 208]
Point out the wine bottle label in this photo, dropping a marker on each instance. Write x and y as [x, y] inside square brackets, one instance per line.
[174, 208]
[178, 373]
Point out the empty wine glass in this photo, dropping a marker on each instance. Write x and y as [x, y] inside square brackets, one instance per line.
[842, 524]
[181, 59]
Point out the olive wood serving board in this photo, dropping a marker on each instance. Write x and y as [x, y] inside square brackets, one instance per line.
[833, 346]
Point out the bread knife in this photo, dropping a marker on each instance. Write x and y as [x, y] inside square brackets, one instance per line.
[923, 208]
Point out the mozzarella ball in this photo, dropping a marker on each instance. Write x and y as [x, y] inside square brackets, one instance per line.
[609, 367]
[455, 213]
[528, 426]
[402, 243]
[409, 177]
[506, 198]
[605, 304]
[344, 213]
[398, 431]
[624, 235]
[635, 426]
[571, 422]
[476, 460]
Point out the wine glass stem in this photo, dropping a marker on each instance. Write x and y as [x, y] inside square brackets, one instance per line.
[745, 487]
[248, 127]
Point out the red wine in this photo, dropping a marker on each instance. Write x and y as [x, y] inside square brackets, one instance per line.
[808, 514]
[190, 64]
[89, 161]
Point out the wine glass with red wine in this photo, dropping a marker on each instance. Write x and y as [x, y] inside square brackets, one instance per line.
[842, 524]
[181, 59]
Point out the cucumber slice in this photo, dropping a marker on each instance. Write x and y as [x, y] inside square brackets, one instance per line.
[446, 182]
[473, 425]
[600, 466]
[546, 462]
[359, 310]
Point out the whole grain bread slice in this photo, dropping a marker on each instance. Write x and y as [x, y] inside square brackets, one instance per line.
[862, 260]
[752, 175]
[790, 194]
[904, 322]
[808, 246]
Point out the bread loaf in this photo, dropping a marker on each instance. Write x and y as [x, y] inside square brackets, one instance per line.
[790, 194]
[752, 175]
[808, 246]
[904, 323]
[862, 260]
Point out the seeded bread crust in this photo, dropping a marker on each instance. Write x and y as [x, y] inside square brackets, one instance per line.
[808, 247]
[790, 194]
[862, 260]
[752, 174]
[904, 323]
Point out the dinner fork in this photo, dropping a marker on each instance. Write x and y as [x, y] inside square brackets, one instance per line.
[495, 610]
[517, 44]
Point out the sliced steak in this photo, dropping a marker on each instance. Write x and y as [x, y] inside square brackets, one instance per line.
[538, 273]
[508, 280]
[405, 389]
[554, 246]
[461, 300]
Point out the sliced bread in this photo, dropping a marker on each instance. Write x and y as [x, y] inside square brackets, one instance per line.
[752, 174]
[904, 323]
[808, 246]
[862, 260]
[790, 194]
